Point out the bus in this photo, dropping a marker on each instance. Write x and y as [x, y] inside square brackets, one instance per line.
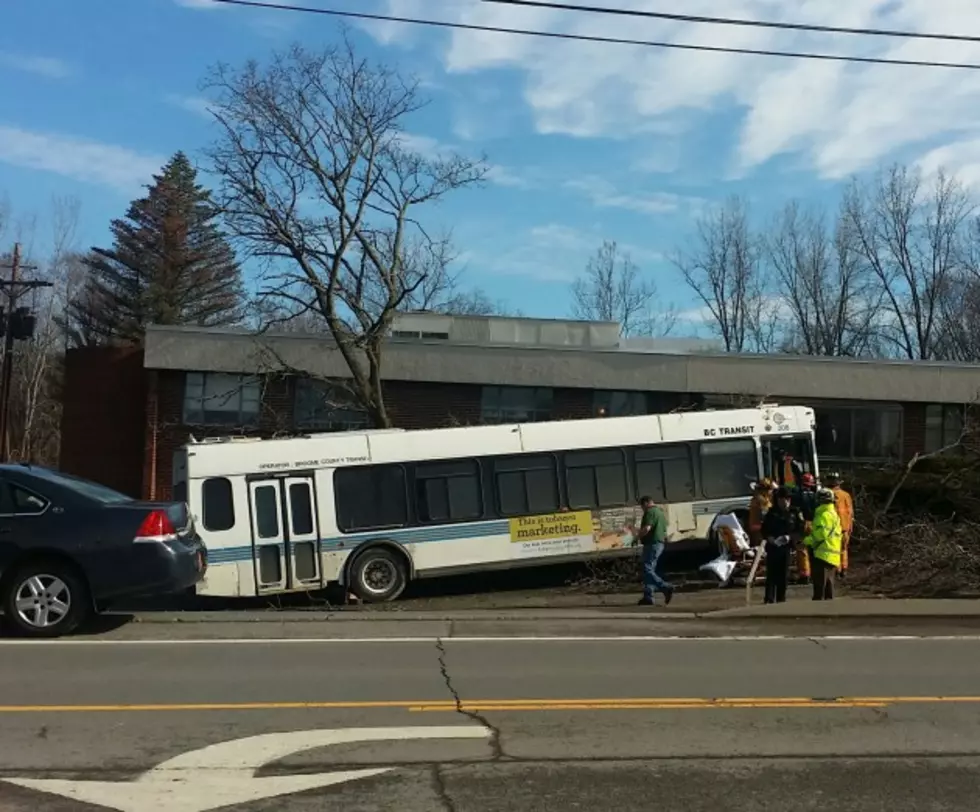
[372, 510]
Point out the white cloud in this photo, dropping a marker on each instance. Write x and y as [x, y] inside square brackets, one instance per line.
[192, 104]
[606, 195]
[838, 118]
[433, 148]
[82, 159]
[46, 66]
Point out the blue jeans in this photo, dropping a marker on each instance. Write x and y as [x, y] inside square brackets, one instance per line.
[652, 582]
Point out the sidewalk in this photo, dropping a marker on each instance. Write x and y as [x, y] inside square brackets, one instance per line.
[856, 607]
[844, 608]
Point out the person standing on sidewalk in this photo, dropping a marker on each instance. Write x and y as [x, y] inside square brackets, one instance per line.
[781, 530]
[824, 539]
[758, 507]
[805, 503]
[845, 509]
[653, 537]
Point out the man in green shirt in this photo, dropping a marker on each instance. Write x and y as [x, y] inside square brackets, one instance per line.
[653, 537]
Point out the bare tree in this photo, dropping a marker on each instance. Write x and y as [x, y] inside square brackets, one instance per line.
[831, 299]
[35, 400]
[911, 238]
[318, 181]
[725, 272]
[612, 288]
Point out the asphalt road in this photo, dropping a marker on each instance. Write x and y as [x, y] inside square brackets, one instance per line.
[699, 725]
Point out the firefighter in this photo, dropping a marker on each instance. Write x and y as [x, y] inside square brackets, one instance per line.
[845, 509]
[805, 504]
[758, 507]
[824, 539]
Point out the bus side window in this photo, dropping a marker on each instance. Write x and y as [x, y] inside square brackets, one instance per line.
[217, 505]
[370, 497]
[596, 479]
[526, 485]
[665, 473]
[728, 468]
[448, 491]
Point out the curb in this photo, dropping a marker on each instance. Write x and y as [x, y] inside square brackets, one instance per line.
[337, 617]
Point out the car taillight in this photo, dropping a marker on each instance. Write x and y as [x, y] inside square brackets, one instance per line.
[156, 525]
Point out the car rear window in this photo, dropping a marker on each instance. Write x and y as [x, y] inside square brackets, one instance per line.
[83, 487]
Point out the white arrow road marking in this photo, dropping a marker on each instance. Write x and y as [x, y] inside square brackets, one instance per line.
[224, 774]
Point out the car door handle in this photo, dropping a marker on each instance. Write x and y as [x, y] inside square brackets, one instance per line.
[4, 530]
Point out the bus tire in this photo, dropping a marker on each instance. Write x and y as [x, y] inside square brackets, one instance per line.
[378, 575]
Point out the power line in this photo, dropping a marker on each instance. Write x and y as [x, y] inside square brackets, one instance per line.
[677, 46]
[741, 22]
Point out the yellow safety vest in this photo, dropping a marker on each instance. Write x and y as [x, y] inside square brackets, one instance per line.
[825, 535]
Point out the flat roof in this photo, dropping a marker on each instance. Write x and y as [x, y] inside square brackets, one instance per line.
[615, 368]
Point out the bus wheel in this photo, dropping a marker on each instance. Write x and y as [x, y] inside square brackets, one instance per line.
[378, 575]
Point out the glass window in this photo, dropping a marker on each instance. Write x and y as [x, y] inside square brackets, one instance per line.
[180, 491]
[448, 491]
[944, 426]
[323, 406]
[596, 479]
[218, 399]
[217, 505]
[526, 485]
[665, 473]
[833, 432]
[516, 404]
[26, 503]
[81, 487]
[728, 468]
[301, 509]
[266, 506]
[370, 497]
[620, 404]
[877, 433]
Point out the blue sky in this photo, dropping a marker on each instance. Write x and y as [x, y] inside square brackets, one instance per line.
[587, 142]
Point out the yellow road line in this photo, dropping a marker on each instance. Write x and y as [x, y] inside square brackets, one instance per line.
[559, 706]
[478, 705]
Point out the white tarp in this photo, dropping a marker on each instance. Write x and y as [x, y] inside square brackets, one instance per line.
[731, 535]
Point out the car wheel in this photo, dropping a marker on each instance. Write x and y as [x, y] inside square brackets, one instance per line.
[46, 599]
[378, 575]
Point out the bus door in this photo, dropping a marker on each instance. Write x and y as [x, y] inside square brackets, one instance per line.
[285, 533]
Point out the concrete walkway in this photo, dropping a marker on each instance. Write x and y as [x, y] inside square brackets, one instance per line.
[851, 607]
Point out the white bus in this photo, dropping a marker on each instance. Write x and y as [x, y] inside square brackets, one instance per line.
[372, 510]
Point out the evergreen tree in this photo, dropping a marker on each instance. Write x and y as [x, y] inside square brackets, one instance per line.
[169, 264]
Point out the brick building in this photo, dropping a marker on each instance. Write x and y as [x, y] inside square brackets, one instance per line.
[127, 409]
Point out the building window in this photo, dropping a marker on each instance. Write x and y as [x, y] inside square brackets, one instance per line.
[516, 404]
[595, 479]
[526, 485]
[370, 497]
[665, 473]
[728, 468]
[944, 426]
[620, 404]
[323, 406]
[448, 491]
[217, 505]
[859, 433]
[218, 399]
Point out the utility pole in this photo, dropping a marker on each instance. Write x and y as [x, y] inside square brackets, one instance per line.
[15, 287]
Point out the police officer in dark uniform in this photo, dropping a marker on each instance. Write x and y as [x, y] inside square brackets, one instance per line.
[781, 529]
